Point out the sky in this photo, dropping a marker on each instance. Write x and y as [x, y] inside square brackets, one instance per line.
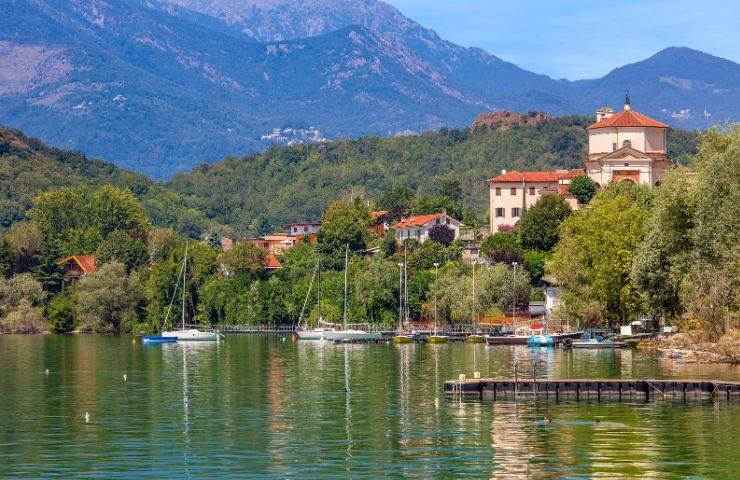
[577, 39]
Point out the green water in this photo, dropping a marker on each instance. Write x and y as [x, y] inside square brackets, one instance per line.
[256, 407]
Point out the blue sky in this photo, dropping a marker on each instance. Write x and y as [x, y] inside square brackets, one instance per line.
[578, 39]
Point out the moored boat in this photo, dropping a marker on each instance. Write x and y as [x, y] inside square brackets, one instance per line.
[158, 339]
[541, 341]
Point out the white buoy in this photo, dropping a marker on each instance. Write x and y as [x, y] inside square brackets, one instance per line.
[87, 417]
[46, 372]
[125, 377]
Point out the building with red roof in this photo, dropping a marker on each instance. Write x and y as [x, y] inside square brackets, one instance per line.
[77, 266]
[417, 227]
[624, 146]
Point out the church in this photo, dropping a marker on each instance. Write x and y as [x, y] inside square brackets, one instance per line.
[624, 146]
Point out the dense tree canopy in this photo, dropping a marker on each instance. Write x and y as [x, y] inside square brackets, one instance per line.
[594, 258]
[539, 227]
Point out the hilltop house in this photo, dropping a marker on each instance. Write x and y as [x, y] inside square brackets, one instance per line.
[624, 146]
[417, 227]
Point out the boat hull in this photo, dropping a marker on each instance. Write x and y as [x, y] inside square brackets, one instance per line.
[339, 335]
[541, 341]
[192, 335]
[437, 339]
[507, 340]
[158, 339]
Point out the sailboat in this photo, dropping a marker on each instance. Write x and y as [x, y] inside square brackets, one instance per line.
[435, 337]
[187, 334]
[304, 332]
[475, 337]
[344, 334]
[400, 336]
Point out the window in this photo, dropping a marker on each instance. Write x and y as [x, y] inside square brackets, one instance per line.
[498, 191]
[531, 190]
[500, 213]
[516, 212]
[513, 191]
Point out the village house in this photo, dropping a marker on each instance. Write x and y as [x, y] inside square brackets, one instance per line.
[77, 266]
[301, 229]
[417, 227]
[624, 146]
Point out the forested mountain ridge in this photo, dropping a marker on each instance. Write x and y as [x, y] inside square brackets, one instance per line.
[28, 167]
[161, 86]
[257, 193]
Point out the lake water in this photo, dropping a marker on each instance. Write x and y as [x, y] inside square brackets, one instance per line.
[257, 407]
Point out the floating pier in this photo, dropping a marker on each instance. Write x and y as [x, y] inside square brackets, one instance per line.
[594, 389]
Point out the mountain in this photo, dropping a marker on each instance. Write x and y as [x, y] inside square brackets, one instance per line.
[160, 86]
[28, 167]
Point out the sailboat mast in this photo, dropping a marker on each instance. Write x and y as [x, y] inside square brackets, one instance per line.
[405, 286]
[184, 276]
[346, 263]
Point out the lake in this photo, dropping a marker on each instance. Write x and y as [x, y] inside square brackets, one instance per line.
[267, 407]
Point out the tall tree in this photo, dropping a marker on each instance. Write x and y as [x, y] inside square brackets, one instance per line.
[539, 227]
[594, 258]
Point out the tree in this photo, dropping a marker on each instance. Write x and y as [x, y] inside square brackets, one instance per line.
[538, 228]
[160, 243]
[534, 262]
[663, 259]
[389, 245]
[79, 219]
[20, 299]
[583, 188]
[593, 259]
[442, 234]
[60, 313]
[502, 247]
[106, 301]
[24, 244]
[243, 259]
[121, 247]
[345, 222]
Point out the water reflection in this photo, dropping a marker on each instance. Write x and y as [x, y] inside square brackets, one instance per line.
[265, 408]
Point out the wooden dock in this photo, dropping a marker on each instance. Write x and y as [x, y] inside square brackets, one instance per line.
[594, 389]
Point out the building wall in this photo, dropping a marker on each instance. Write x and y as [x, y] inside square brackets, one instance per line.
[648, 140]
[421, 234]
[604, 173]
[509, 201]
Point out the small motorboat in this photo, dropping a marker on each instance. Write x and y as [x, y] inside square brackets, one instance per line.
[475, 338]
[403, 338]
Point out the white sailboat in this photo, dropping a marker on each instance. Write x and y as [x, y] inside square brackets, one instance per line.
[344, 334]
[304, 332]
[188, 334]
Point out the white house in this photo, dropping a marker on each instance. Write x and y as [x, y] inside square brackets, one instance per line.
[417, 227]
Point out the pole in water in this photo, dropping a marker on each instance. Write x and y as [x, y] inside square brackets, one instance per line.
[87, 417]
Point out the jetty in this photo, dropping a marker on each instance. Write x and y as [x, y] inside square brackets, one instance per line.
[593, 389]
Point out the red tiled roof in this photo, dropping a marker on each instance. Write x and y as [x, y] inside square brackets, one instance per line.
[418, 220]
[628, 118]
[535, 177]
[86, 263]
[272, 262]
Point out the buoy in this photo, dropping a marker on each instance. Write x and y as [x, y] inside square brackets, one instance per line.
[125, 377]
[46, 372]
[87, 417]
